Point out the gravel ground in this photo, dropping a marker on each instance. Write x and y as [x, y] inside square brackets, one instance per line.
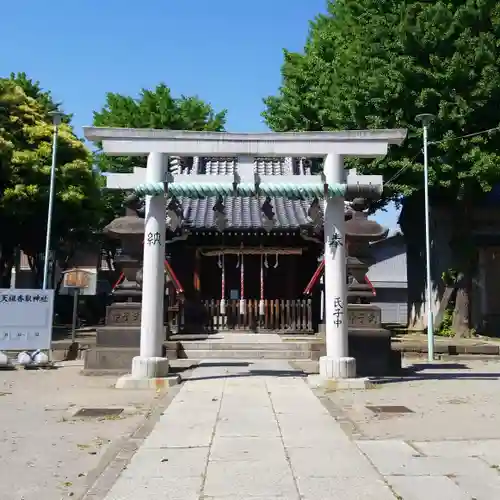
[45, 452]
[448, 401]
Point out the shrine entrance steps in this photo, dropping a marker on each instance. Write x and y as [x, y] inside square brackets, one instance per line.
[303, 351]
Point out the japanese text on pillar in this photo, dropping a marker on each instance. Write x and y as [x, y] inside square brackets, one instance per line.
[153, 238]
[338, 311]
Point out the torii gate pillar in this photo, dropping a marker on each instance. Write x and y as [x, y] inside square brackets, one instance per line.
[336, 364]
[158, 144]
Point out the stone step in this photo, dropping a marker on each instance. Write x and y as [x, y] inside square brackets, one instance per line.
[308, 366]
[243, 354]
[209, 345]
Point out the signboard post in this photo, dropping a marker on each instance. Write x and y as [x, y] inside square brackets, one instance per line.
[26, 319]
[77, 280]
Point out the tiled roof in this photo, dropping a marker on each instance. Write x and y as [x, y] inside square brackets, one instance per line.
[228, 166]
[243, 212]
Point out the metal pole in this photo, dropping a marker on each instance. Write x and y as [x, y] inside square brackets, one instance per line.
[56, 116]
[430, 326]
[75, 314]
[426, 120]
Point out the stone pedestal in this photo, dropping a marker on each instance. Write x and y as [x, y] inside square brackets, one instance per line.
[369, 343]
[118, 342]
[337, 368]
[148, 373]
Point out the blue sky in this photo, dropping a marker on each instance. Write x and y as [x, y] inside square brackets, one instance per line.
[227, 52]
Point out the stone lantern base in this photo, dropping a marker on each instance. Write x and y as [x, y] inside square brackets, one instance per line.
[369, 343]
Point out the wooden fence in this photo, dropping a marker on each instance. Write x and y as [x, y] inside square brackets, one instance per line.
[279, 315]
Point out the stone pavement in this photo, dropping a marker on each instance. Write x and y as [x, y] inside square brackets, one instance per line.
[447, 444]
[250, 431]
[46, 452]
[244, 430]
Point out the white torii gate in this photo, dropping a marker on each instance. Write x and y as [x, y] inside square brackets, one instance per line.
[159, 144]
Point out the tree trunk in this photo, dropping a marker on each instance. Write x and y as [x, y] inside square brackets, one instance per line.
[36, 268]
[6, 264]
[461, 313]
[443, 306]
[463, 245]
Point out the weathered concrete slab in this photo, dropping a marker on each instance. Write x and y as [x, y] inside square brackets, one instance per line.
[247, 427]
[157, 463]
[344, 488]
[271, 476]
[229, 449]
[380, 448]
[479, 488]
[431, 466]
[343, 461]
[488, 449]
[427, 488]
[141, 487]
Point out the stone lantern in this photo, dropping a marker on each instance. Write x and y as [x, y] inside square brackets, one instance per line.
[369, 343]
[118, 341]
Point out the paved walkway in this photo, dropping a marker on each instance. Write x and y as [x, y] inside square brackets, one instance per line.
[248, 431]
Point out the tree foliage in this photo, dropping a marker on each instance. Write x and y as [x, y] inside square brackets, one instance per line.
[372, 64]
[157, 109]
[26, 134]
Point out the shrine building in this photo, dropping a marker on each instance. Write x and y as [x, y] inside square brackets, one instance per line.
[266, 262]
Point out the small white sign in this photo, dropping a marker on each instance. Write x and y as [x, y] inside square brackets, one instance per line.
[25, 319]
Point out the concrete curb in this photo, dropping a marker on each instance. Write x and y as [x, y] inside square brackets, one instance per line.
[348, 384]
[447, 349]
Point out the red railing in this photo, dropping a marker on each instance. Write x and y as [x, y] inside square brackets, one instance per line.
[170, 272]
[319, 271]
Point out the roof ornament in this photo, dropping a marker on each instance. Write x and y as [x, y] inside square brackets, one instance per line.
[220, 214]
[315, 215]
[268, 215]
[174, 214]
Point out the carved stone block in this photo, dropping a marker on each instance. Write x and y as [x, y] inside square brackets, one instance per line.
[124, 314]
[363, 316]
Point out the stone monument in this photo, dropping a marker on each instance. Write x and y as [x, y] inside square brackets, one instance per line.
[369, 343]
[118, 341]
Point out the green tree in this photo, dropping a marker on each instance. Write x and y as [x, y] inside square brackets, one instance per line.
[372, 64]
[25, 160]
[153, 109]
